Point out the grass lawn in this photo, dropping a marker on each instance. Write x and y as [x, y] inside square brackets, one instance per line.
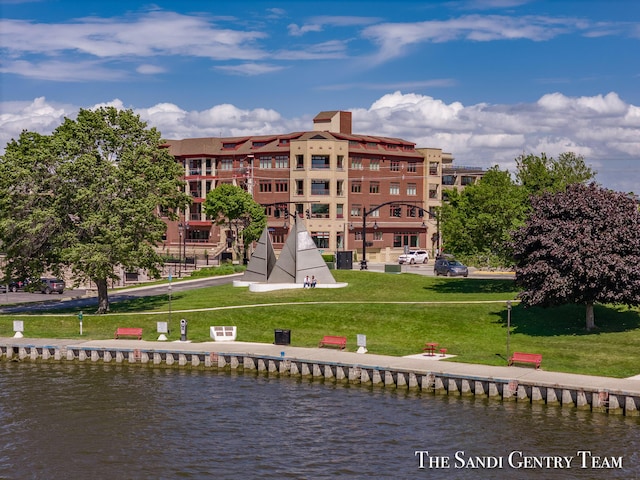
[397, 313]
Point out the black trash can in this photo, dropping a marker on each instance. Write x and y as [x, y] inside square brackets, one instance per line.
[283, 337]
[344, 260]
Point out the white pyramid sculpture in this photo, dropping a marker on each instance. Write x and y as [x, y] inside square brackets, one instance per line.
[300, 258]
[262, 260]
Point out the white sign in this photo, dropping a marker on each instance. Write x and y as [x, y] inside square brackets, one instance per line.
[18, 326]
[362, 340]
[163, 327]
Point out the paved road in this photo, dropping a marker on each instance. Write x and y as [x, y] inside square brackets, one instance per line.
[21, 302]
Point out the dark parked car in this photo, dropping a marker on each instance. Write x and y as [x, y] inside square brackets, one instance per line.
[450, 268]
[14, 286]
[49, 285]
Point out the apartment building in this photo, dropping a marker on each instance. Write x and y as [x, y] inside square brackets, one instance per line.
[352, 191]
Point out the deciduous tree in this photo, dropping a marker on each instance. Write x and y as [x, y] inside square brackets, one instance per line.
[580, 245]
[235, 208]
[87, 198]
[538, 174]
[478, 221]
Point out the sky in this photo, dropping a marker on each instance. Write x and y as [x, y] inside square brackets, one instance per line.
[485, 80]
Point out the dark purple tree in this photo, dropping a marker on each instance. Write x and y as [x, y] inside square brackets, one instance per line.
[581, 245]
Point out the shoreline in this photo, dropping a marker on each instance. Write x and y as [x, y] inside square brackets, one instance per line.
[420, 372]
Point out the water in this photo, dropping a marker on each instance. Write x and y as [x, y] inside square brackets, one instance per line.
[127, 422]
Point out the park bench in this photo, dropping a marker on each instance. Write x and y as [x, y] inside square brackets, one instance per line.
[129, 332]
[223, 333]
[520, 357]
[331, 340]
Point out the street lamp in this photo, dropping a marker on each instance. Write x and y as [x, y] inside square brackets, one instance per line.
[180, 231]
[508, 325]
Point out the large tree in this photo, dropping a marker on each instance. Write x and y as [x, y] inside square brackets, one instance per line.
[539, 174]
[87, 198]
[233, 207]
[478, 221]
[581, 245]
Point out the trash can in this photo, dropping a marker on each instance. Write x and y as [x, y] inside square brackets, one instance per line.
[344, 260]
[283, 337]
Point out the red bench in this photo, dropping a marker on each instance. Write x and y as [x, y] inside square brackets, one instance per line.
[129, 332]
[330, 340]
[520, 357]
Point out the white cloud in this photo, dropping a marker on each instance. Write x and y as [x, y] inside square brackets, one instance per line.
[393, 38]
[154, 33]
[147, 69]
[603, 128]
[249, 69]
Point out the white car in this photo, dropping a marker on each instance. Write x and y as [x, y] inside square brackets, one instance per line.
[414, 256]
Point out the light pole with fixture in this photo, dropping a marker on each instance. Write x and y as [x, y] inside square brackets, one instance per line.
[508, 325]
[365, 214]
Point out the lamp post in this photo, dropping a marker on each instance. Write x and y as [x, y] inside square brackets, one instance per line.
[184, 245]
[508, 325]
[180, 231]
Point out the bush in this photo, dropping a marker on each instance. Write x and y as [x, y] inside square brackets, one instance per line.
[328, 257]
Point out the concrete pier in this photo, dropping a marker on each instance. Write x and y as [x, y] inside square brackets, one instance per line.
[516, 384]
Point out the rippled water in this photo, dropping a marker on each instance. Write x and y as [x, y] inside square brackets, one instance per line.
[107, 421]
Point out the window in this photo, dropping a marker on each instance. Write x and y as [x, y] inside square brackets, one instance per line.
[394, 189]
[376, 213]
[340, 163]
[299, 187]
[374, 165]
[374, 187]
[265, 162]
[319, 187]
[401, 239]
[208, 167]
[356, 187]
[356, 163]
[395, 211]
[282, 186]
[340, 188]
[228, 146]
[320, 162]
[411, 189]
[433, 168]
[467, 180]
[356, 210]
[340, 210]
[377, 235]
[282, 161]
[258, 144]
[300, 162]
[321, 239]
[265, 186]
[433, 191]
[226, 164]
[411, 167]
[448, 180]
[195, 166]
[412, 212]
[395, 166]
[320, 210]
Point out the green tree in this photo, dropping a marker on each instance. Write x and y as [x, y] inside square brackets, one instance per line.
[87, 198]
[581, 245]
[478, 221]
[235, 208]
[538, 174]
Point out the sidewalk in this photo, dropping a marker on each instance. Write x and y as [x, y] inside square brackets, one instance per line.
[420, 364]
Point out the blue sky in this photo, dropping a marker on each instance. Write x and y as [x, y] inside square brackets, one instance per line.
[483, 79]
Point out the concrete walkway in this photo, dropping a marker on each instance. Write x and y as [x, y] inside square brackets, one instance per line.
[421, 364]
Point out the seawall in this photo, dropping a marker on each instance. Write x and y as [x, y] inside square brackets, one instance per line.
[519, 384]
